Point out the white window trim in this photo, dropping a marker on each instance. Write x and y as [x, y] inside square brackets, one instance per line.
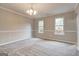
[40, 26]
[61, 33]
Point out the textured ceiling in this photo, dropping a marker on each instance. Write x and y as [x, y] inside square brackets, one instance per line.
[44, 9]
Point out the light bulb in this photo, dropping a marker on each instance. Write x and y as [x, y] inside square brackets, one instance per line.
[27, 11]
[31, 12]
[34, 12]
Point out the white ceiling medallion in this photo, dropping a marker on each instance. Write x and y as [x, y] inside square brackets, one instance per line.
[31, 11]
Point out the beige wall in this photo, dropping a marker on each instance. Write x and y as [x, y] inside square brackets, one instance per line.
[13, 27]
[69, 28]
[77, 11]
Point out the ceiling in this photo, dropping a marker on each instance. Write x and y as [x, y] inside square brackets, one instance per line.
[44, 9]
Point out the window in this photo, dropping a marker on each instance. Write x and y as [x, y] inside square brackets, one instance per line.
[59, 26]
[40, 26]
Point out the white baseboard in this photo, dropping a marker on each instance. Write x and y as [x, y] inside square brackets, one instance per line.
[66, 41]
[60, 40]
[11, 42]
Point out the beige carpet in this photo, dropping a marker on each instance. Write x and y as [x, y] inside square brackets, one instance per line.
[45, 48]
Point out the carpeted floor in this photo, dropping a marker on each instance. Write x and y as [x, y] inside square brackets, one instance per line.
[38, 47]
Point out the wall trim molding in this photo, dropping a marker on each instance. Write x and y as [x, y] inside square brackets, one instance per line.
[15, 12]
[12, 42]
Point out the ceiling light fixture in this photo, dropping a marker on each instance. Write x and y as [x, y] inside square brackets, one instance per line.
[31, 11]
